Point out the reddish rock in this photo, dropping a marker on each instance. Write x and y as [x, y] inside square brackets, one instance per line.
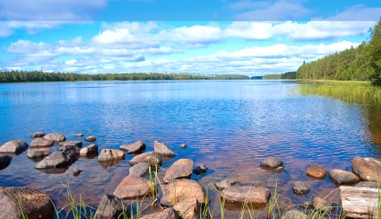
[316, 171]
[133, 148]
[111, 154]
[257, 196]
[162, 149]
[180, 169]
[368, 169]
[132, 187]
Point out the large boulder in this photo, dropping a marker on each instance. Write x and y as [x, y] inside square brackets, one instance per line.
[271, 163]
[139, 169]
[368, 169]
[59, 159]
[89, 151]
[132, 187]
[37, 135]
[41, 142]
[58, 137]
[35, 153]
[294, 214]
[342, 177]
[110, 207]
[5, 161]
[162, 149]
[133, 148]
[168, 213]
[151, 158]
[34, 204]
[71, 143]
[110, 155]
[256, 196]
[182, 168]
[14, 147]
[316, 171]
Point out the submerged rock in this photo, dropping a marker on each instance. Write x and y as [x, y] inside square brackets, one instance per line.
[41, 143]
[71, 143]
[182, 168]
[58, 137]
[132, 187]
[14, 147]
[133, 148]
[271, 162]
[168, 213]
[91, 139]
[294, 214]
[76, 171]
[162, 149]
[226, 183]
[89, 151]
[110, 207]
[368, 169]
[139, 169]
[322, 204]
[316, 171]
[257, 196]
[183, 146]
[151, 158]
[300, 188]
[111, 154]
[5, 161]
[35, 153]
[37, 135]
[35, 204]
[342, 177]
[200, 169]
[78, 135]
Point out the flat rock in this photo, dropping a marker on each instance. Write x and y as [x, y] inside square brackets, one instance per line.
[37, 135]
[5, 161]
[58, 137]
[78, 135]
[89, 151]
[151, 158]
[71, 143]
[57, 159]
[133, 148]
[41, 143]
[367, 169]
[342, 177]
[257, 196]
[226, 183]
[110, 207]
[91, 139]
[271, 162]
[111, 154]
[322, 204]
[180, 190]
[132, 187]
[35, 204]
[182, 168]
[300, 188]
[162, 149]
[168, 213]
[294, 214]
[316, 171]
[139, 169]
[14, 147]
[360, 202]
[35, 153]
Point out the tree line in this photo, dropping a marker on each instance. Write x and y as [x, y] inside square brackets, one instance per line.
[40, 76]
[361, 63]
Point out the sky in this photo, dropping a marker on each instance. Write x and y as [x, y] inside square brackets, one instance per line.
[181, 36]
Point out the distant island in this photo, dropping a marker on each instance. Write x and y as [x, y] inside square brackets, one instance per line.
[287, 75]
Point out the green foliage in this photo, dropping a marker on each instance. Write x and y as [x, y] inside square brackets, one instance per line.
[39, 76]
[287, 75]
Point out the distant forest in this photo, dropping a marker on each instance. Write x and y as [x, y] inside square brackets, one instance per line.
[361, 63]
[39, 76]
[287, 75]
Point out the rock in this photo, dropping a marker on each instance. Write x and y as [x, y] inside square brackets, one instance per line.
[189, 209]
[200, 169]
[35, 204]
[162, 149]
[294, 214]
[271, 162]
[300, 188]
[256, 196]
[89, 151]
[139, 169]
[110, 207]
[72, 150]
[322, 204]
[368, 184]
[226, 183]
[132, 187]
[37, 135]
[168, 213]
[58, 159]
[91, 139]
[5, 161]
[35, 153]
[342, 177]
[151, 158]
[78, 135]
[76, 171]
[183, 146]
[182, 168]
[368, 169]
[111, 163]
[133, 148]
[71, 143]
[15, 147]
[58, 137]
[111, 154]
[41, 143]
[360, 202]
[316, 171]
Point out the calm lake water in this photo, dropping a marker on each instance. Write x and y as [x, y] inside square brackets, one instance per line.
[228, 125]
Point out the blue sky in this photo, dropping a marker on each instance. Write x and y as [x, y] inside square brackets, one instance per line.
[192, 36]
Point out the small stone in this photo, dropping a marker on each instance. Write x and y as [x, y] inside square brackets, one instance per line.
[342, 177]
[41, 143]
[58, 137]
[132, 187]
[110, 207]
[256, 196]
[5, 161]
[14, 147]
[89, 151]
[71, 143]
[37, 135]
[271, 162]
[226, 183]
[133, 148]
[200, 169]
[151, 158]
[300, 188]
[182, 168]
[322, 204]
[316, 171]
[35, 153]
[294, 214]
[162, 149]
[91, 139]
[139, 170]
[78, 135]
[111, 154]
[183, 146]
[76, 171]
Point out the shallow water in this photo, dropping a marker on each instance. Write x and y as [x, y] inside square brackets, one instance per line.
[228, 125]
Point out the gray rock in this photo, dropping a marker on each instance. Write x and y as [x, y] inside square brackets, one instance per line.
[183, 146]
[162, 149]
[78, 135]
[368, 184]
[182, 168]
[200, 169]
[76, 171]
[91, 139]
[59, 159]
[139, 169]
[133, 148]
[58, 137]
[151, 158]
[271, 162]
[110, 207]
[41, 143]
[89, 151]
[35, 153]
[14, 147]
[72, 150]
[368, 169]
[111, 154]
[71, 143]
[226, 183]
[342, 177]
[5, 161]
[37, 135]
[168, 213]
[294, 214]
[256, 196]
[300, 188]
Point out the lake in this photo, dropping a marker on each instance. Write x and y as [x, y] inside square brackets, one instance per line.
[230, 126]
